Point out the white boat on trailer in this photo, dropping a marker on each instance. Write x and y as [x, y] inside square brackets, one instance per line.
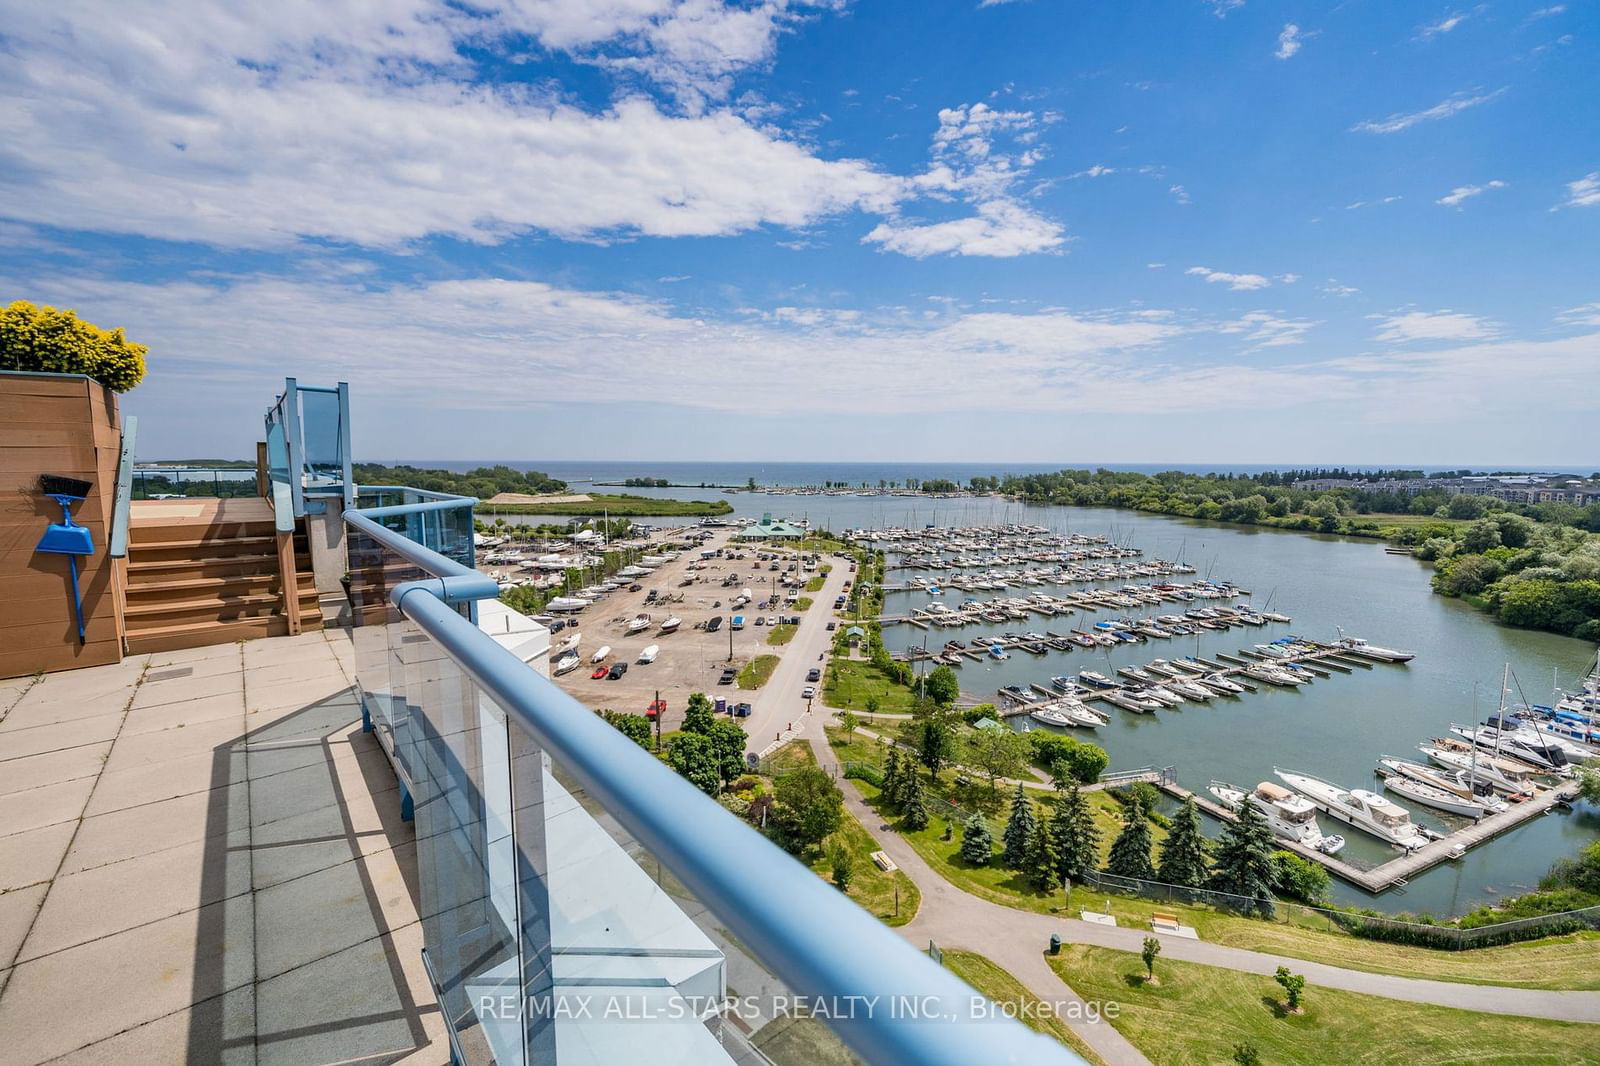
[566, 664]
[649, 654]
[600, 655]
[1365, 810]
[640, 622]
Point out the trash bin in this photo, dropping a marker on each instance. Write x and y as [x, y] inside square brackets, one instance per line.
[1055, 943]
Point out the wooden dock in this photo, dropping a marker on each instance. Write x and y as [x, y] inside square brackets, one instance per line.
[1399, 870]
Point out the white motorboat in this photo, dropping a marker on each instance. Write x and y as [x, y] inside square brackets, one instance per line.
[1365, 810]
[1130, 701]
[1357, 646]
[1219, 683]
[1164, 668]
[671, 625]
[1438, 790]
[1291, 817]
[639, 622]
[1480, 768]
[568, 604]
[649, 654]
[569, 644]
[1161, 695]
[599, 656]
[1274, 616]
[1067, 714]
[1097, 680]
[1274, 651]
[1272, 675]
[1541, 756]
[566, 664]
[1190, 690]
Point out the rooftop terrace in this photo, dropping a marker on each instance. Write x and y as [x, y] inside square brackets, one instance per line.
[202, 859]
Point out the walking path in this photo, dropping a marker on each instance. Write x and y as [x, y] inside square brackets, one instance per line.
[1016, 940]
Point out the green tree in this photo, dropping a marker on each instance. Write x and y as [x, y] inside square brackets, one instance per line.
[1299, 878]
[728, 740]
[1130, 852]
[1245, 1054]
[843, 866]
[695, 758]
[1244, 865]
[933, 733]
[1151, 949]
[1183, 853]
[998, 753]
[636, 727]
[1042, 859]
[893, 779]
[1019, 830]
[1293, 985]
[42, 339]
[849, 723]
[699, 714]
[942, 685]
[1589, 784]
[871, 704]
[810, 805]
[1077, 838]
[913, 808]
[977, 845]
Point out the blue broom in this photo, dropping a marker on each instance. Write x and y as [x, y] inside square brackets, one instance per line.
[66, 538]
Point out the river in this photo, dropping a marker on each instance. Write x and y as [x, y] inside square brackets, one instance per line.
[1334, 728]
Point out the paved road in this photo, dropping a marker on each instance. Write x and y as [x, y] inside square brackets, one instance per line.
[1016, 939]
[778, 704]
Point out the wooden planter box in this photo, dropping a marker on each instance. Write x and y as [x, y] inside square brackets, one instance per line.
[67, 425]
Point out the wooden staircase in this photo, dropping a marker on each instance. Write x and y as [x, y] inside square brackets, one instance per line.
[209, 572]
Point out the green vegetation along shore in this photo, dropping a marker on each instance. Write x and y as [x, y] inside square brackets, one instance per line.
[616, 506]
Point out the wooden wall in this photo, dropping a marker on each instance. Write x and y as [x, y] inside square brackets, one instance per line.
[68, 426]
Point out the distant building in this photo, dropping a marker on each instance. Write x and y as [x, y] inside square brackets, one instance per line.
[768, 529]
[1512, 488]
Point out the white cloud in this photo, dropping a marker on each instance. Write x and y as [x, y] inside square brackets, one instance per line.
[1455, 197]
[970, 164]
[1180, 194]
[1289, 41]
[1585, 315]
[1288, 279]
[1546, 12]
[1443, 26]
[1262, 329]
[259, 125]
[1333, 288]
[1371, 203]
[1585, 192]
[1411, 327]
[1237, 282]
[1001, 229]
[1096, 171]
[1220, 8]
[1444, 109]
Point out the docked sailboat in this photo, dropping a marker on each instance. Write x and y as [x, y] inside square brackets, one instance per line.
[1480, 768]
[1432, 789]
[1541, 756]
[1365, 810]
[1291, 817]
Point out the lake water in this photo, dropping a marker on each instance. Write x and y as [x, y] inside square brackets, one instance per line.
[1334, 728]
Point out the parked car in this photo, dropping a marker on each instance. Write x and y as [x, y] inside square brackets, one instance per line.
[617, 670]
[558, 625]
[635, 587]
[813, 674]
[727, 677]
[760, 620]
[832, 626]
[656, 707]
[599, 672]
[807, 693]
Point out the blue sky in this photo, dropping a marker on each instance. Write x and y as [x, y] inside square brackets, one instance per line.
[1036, 231]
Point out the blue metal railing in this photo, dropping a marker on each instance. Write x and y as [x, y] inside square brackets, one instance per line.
[119, 520]
[521, 890]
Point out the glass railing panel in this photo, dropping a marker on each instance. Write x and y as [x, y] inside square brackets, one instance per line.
[321, 439]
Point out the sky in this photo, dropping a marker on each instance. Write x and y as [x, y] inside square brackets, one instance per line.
[1192, 231]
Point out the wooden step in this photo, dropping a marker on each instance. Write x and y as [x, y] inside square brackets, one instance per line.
[202, 634]
[207, 548]
[141, 570]
[145, 615]
[155, 531]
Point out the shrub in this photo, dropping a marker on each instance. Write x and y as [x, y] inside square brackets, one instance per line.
[45, 340]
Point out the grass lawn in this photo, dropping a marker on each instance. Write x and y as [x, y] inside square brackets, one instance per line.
[1197, 1014]
[873, 889]
[803, 603]
[757, 671]
[778, 636]
[816, 583]
[850, 682]
[1000, 987]
[791, 756]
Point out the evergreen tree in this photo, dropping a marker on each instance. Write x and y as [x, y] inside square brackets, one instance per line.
[1183, 855]
[1042, 859]
[892, 779]
[977, 845]
[1130, 852]
[1077, 838]
[1244, 864]
[914, 812]
[1019, 830]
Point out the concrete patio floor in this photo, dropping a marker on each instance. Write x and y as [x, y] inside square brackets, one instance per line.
[202, 860]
